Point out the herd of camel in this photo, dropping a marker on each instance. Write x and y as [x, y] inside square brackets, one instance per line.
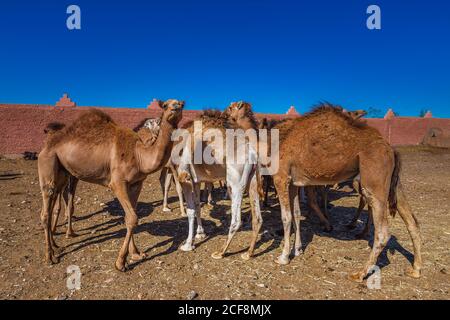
[326, 146]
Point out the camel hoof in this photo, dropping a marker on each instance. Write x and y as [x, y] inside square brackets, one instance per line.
[298, 252]
[136, 257]
[217, 255]
[282, 260]
[120, 266]
[200, 236]
[246, 256]
[357, 277]
[51, 260]
[167, 209]
[187, 247]
[413, 273]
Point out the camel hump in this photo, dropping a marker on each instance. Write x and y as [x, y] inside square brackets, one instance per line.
[94, 116]
[53, 127]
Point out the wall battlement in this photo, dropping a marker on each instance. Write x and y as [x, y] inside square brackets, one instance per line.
[22, 125]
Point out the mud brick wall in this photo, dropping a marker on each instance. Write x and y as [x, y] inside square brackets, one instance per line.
[22, 126]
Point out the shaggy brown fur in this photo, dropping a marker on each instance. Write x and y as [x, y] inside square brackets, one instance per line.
[53, 127]
[327, 146]
[96, 150]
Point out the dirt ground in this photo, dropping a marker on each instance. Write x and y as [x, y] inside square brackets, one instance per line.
[168, 273]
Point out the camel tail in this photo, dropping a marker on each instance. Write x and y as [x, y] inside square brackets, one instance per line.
[394, 185]
[53, 127]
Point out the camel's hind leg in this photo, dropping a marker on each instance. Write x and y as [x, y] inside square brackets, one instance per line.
[69, 194]
[56, 212]
[312, 201]
[256, 217]
[282, 186]
[376, 167]
[295, 208]
[414, 232]
[236, 201]
[200, 234]
[188, 193]
[362, 204]
[51, 181]
[165, 179]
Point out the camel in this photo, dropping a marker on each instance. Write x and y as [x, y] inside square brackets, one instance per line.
[239, 177]
[326, 146]
[95, 149]
[148, 130]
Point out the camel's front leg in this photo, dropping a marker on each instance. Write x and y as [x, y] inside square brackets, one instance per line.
[282, 184]
[131, 220]
[133, 192]
[256, 217]
[69, 195]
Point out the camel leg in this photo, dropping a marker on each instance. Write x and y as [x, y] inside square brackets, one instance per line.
[324, 191]
[312, 200]
[131, 220]
[294, 199]
[282, 187]
[165, 179]
[179, 191]
[412, 226]
[49, 179]
[209, 189]
[56, 212]
[188, 193]
[256, 217]
[236, 201]
[69, 194]
[133, 192]
[200, 234]
[354, 222]
[363, 234]
[381, 236]
[267, 180]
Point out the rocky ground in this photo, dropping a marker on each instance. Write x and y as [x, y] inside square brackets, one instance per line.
[320, 273]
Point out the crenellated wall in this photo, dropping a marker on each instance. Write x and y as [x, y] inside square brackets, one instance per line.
[22, 126]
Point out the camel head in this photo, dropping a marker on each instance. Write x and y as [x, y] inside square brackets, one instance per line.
[172, 111]
[355, 115]
[241, 113]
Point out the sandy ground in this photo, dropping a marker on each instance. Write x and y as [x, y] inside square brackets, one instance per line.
[168, 273]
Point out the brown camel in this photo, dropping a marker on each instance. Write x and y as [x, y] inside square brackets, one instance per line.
[95, 149]
[326, 146]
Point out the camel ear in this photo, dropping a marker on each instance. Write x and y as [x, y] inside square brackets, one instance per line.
[161, 104]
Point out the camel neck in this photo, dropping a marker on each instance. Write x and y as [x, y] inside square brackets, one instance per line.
[154, 157]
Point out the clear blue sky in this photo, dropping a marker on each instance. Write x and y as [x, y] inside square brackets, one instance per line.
[271, 53]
